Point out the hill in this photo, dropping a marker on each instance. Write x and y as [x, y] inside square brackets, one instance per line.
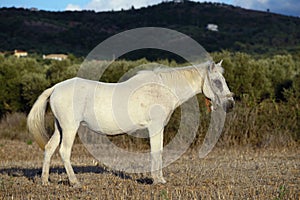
[79, 32]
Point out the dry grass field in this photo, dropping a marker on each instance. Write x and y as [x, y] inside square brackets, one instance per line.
[232, 173]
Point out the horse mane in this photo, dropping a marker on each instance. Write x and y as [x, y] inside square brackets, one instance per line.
[181, 75]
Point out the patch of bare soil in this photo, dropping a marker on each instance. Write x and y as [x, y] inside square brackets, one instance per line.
[236, 173]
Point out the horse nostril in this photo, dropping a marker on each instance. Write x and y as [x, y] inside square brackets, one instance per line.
[229, 105]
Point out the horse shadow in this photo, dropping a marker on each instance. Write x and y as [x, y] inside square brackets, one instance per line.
[32, 173]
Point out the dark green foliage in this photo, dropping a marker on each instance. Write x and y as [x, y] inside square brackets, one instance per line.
[58, 71]
[259, 79]
[22, 80]
[11, 72]
[33, 84]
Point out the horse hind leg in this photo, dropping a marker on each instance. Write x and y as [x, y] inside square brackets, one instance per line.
[49, 151]
[65, 153]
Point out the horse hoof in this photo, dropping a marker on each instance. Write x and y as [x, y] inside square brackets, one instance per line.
[76, 185]
[45, 183]
[159, 181]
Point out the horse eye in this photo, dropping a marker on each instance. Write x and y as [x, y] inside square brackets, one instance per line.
[218, 84]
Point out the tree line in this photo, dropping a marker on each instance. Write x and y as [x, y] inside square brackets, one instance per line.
[255, 80]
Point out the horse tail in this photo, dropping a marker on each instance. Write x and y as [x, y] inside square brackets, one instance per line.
[36, 118]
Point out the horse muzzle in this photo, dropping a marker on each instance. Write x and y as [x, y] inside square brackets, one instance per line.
[228, 105]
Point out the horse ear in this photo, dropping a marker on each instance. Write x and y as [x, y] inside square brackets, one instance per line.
[220, 63]
[212, 66]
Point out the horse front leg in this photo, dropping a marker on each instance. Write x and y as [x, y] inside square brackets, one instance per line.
[156, 143]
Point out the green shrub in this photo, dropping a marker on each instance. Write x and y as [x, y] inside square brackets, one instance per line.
[267, 93]
[258, 78]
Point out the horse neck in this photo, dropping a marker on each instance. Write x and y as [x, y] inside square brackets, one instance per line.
[185, 82]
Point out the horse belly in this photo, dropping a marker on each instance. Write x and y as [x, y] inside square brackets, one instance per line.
[109, 116]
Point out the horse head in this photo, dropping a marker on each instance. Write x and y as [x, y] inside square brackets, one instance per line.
[216, 89]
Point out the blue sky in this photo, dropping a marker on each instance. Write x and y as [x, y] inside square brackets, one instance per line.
[286, 7]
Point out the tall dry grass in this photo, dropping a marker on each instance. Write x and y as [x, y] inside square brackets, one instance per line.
[264, 124]
[13, 127]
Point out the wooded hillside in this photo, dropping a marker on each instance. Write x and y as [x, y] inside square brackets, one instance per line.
[79, 32]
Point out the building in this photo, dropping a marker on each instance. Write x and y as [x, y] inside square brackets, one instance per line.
[58, 57]
[212, 27]
[33, 9]
[19, 53]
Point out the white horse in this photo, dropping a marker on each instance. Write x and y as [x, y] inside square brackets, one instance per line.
[146, 100]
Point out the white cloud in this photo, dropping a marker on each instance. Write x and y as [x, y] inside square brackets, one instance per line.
[287, 7]
[72, 7]
[251, 4]
[108, 5]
